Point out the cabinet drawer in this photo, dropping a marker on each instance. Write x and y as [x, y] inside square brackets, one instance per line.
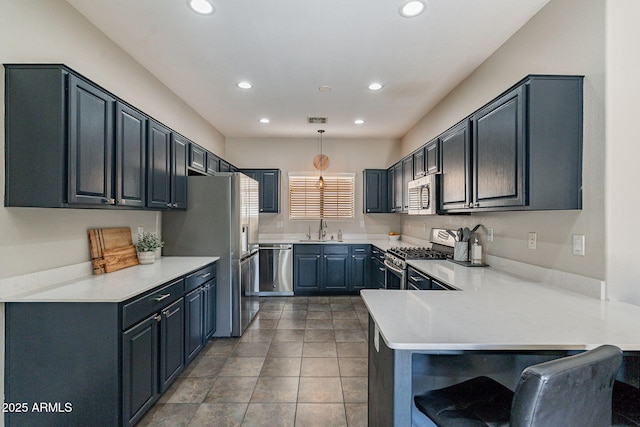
[199, 277]
[336, 249]
[307, 249]
[146, 305]
[360, 249]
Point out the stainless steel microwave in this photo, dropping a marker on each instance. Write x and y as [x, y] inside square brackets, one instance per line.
[422, 196]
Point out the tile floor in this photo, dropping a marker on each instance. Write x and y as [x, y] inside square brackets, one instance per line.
[302, 362]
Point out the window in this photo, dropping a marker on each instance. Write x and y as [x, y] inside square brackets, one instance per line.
[335, 200]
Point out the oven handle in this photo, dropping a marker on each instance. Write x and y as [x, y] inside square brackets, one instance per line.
[393, 268]
[414, 287]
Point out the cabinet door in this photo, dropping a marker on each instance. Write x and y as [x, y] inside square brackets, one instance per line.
[193, 333]
[455, 186]
[197, 158]
[498, 152]
[171, 343]
[432, 157]
[360, 277]
[398, 181]
[375, 191]
[335, 268]
[158, 166]
[131, 149]
[407, 175]
[269, 191]
[306, 268]
[419, 163]
[179, 157]
[224, 166]
[209, 302]
[139, 369]
[391, 187]
[91, 141]
[212, 163]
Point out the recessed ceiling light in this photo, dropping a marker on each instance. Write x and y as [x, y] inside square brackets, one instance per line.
[203, 7]
[264, 120]
[375, 86]
[325, 88]
[245, 85]
[358, 121]
[411, 8]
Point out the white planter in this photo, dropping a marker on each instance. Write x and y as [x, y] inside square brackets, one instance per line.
[146, 257]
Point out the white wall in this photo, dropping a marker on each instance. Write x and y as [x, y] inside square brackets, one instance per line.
[42, 31]
[623, 149]
[565, 37]
[296, 155]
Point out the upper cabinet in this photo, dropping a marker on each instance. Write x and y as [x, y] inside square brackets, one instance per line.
[522, 151]
[69, 143]
[167, 171]
[375, 191]
[269, 188]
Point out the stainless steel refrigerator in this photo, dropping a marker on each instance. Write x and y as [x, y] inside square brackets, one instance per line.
[221, 220]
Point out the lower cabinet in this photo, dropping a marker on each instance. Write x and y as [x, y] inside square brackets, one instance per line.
[104, 362]
[331, 268]
[377, 270]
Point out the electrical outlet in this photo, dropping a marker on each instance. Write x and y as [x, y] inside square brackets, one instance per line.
[361, 224]
[140, 231]
[490, 235]
[279, 224]
[533, 240]
[578, 244]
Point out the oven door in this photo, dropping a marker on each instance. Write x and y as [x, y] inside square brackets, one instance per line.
[395, 277]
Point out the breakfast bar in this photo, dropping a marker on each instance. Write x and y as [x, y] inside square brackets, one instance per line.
[495, 324]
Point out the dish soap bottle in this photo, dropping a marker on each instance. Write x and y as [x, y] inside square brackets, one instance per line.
[339, 235]
[476, 252]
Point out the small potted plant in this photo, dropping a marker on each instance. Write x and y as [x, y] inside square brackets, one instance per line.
[146, 247]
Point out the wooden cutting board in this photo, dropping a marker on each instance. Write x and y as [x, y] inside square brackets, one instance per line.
[111, 249]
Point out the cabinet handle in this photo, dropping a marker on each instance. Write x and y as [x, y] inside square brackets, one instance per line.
[471, 204]
[161, 297]
[382, 269]
[122, 202]
[157, 318]
[168, 205]
[204, 276]
[317, 256]
[109, 201]
[168, 314]
[174, 205]
[416, 279]
[325, 256]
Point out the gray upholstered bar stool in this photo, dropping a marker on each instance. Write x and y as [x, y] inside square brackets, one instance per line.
[572, 391]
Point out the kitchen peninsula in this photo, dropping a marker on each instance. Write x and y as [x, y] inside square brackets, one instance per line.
[495, 324]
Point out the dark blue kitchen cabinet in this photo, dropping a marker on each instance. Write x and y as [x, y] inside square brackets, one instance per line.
[131, 149]
[158, 166]
[268, 187]
[307, 268]
[335, 268]
[455, 189]
[213, 163]
[432, 157]
[140, 353]
[91, 142]
[377, 269]
[194, 324]
[167, 168]
[407, 176]
[210, 290]
[521, 151]
[498, 152]
[375, 191]
[360, 267]
[419, 169]
[197, 158]
[110, 361]
[391, 188]
[179, 157]
[224, 166]
[398, 192]
[331, 269]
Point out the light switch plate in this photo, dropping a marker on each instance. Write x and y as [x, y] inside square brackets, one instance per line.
[578, 244]
[533, 240]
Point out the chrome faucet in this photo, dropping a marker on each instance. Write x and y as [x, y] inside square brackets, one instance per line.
[322, 231]
[309, 233]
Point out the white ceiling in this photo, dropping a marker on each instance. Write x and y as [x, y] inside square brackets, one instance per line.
[288, 48]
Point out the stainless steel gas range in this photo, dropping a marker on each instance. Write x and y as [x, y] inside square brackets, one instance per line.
[442, 243]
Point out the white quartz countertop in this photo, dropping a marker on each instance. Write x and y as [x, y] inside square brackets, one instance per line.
[117, 286]
[495, 310]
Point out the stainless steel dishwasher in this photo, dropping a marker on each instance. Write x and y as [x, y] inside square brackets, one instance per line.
[276, 269]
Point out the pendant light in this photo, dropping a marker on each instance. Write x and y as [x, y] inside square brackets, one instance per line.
[321, 163]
